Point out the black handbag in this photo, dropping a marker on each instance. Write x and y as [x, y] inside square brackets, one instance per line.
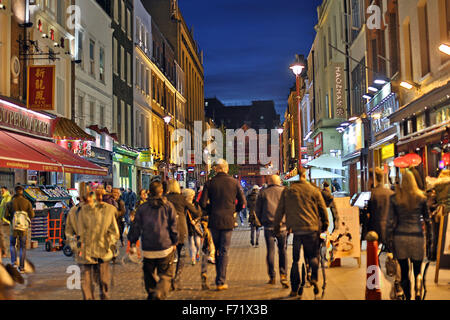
[195, 224]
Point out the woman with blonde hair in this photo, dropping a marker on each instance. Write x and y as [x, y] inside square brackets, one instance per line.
[182, 206]
[195, 240]
[405, 233]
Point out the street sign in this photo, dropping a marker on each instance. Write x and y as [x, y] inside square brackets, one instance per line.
[41, 88]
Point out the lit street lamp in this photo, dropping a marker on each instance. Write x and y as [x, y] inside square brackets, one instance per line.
[297, 68]
[167, 120]
[445, 48]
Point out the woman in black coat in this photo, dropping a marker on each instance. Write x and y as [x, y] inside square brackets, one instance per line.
[181, 205]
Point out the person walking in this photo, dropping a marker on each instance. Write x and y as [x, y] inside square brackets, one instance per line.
[194, 226]
[306, 215]
[404, 231]
[6, 197]
[181, 206]
[98, 234]
[266, 206]
[116, 201]
[132, 200]
[219, 198]
[19, 213]
[329, 201]
[378, 205]
[255, 224]
[156, 224]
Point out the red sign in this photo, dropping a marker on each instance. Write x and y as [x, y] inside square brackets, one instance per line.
[318, 144]
[18, 118]
[41, 88]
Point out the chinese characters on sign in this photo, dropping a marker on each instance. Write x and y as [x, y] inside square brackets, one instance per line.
[41, 88]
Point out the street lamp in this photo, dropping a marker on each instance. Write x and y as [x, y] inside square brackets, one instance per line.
[167, 120]
[445, 48]
[297, 68]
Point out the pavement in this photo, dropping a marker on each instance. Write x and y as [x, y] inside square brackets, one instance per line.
[247, 278]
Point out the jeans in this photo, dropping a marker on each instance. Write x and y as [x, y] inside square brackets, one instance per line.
[96, 273]
[243, 216]
[222, 242]
[22, 245]
[195, 243]
[164, 268]
[281, 241]
[311, 246]
[254, 235]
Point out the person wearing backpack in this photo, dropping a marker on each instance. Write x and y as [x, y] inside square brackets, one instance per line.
[19, 213]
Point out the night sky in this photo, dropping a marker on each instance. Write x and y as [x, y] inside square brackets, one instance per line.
[249, 44]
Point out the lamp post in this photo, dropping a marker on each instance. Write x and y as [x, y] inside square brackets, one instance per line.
[167, 120]
[297, 68]
[280, 163]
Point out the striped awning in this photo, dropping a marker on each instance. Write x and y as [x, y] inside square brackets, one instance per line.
[66, 129]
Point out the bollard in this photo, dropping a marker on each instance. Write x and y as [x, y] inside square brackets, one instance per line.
[373, 291]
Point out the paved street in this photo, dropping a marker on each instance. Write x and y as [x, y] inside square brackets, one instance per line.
[246, 273]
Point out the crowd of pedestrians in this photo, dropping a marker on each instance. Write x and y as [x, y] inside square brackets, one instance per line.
[158, 222]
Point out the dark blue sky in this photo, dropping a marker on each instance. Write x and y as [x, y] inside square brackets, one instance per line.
[249, 44]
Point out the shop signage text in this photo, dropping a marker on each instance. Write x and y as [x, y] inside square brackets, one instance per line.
[20, 119]
[41, 88]
[388, 151]
[318, 144]
[339, 86]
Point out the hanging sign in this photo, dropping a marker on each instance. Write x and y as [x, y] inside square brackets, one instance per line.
[41, 88]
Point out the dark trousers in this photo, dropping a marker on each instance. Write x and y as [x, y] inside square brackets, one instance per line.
[254, 235]
[405, 280]
[121, 226]
[222, 242]
[22, 238]
[180, 264]
[281, 242]
[95, 273]
[165, 270]
[311, 245]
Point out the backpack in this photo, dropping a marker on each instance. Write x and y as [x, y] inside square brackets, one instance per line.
[20, 222]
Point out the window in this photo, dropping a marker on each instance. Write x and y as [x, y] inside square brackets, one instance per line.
[424, 38]
[122, 63]
[80, 48]
[102, 116]
[92, 112]
[409, 70]
[153, 87]
[80, 112]
[142, 77]
[147, 82]
[92, 57]
[138, 73]
[129, 138]
[330, 40]
[61, 102]
[325, 61]
[359, 87]
[357, 17]
[60, 15]
[115, 114]
[444, 22]
[115, 57]
[116, 10]
[393, 44]
[122, 18]
[129, 28]
[101, 63]
[129, 68]
[122, 122]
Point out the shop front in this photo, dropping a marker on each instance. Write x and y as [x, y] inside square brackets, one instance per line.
[354, 157]
[384, 134]
[124, 168]
[146, 170]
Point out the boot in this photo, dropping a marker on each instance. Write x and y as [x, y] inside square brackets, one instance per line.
[397, 291]
[418, 288]
[205, 285]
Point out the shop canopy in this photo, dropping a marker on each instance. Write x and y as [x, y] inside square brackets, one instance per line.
[23, 152]
[66, 129]
[318, 174]
[327, 161]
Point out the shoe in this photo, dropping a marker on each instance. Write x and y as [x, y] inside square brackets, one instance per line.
[271, 281]
[418, 288]
[293, 294]
[193, 262]
[15, 274]
[205, 285]
[198, 257]
[222, 287]
[211, 261]
[252, 243]
[315, 288]
[284, 282]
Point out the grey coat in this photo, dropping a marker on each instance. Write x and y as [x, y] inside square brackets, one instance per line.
[378, 208]
[267, 204]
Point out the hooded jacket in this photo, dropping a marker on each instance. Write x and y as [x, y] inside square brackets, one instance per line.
[156, 224]
[304, 208]
[98, 232]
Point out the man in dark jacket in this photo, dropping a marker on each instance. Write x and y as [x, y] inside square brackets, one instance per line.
[156, 224]
[306, 215]
[252, 218]
[115, 200]
[266, 206]
[18, 204]
[379, 205]
[219, 199]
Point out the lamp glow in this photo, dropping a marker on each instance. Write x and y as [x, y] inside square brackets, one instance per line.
[380, 81]
[373, 89]
[406, 85]
[297, 68]
[167, 119]
[444, 48]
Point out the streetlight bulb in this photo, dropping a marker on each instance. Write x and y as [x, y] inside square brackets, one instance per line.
[297, 68]
[167, 119]
[280, 130]
[445, 48]
[406, 85]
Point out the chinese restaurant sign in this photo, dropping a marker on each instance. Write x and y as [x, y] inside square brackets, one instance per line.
[41, 88]
[19, 119]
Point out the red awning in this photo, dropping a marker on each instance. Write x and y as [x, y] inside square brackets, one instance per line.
[56, 158]
[14, 154]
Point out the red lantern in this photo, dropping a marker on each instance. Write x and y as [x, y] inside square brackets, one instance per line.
[413, 159]
[446, 158]
[401, 162]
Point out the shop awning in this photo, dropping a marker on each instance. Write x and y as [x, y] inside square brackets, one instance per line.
[327, 161]
[318, 174]
[14, 154]
[51, 156]
[66, 129]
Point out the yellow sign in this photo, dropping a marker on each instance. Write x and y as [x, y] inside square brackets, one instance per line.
[388, 151]
[145, 156]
